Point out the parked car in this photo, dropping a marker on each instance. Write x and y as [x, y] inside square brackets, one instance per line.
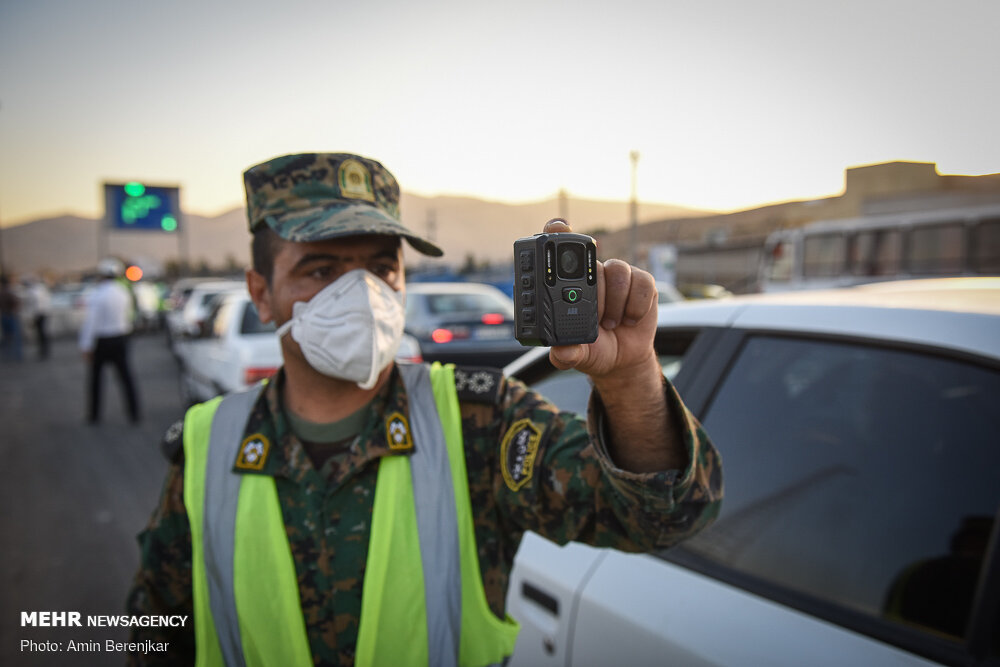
[180, 289]
[465, 323]
[147, 302]
[232, 351]
[67, 309]
[235, 350]
[187, 316]
[858, 433]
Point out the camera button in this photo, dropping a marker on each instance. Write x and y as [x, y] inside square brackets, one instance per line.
[571, 294]
[527, 260]
[528, 315]
[527, 298]
[527, 282]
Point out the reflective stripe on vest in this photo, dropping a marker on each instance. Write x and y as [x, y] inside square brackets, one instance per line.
[423, 601]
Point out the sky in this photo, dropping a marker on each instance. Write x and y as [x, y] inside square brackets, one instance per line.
[730, 103]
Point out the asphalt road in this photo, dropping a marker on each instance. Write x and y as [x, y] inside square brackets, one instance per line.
[74, 496]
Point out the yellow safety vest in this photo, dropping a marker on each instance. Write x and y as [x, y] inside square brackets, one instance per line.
[423, 601]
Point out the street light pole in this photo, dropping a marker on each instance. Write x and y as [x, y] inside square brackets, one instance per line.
[634, 211]
[2, 265]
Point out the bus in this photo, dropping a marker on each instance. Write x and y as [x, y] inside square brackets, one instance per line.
[922, 244]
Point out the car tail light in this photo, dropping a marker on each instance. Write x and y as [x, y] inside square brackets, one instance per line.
[442, 335]
[493, 318]
[256, 374]
[446, 335]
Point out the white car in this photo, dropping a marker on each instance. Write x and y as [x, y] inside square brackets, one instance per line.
[233, 351]
[68, 309]
[858, 430]
[190, 308]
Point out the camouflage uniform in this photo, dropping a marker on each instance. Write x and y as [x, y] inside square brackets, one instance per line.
[569, 490]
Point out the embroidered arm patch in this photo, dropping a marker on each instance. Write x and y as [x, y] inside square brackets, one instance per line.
[518, 451]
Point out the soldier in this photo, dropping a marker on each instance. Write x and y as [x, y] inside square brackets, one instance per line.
[302, 521]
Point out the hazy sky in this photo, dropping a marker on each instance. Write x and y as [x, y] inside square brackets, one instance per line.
[731, 103]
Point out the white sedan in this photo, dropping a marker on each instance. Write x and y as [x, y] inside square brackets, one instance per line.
[233, 351]
[858, 433]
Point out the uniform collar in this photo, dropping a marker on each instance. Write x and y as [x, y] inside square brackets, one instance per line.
[285, 456]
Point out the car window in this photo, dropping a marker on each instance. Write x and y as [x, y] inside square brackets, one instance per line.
[860, 476]
[986, 248]
[218, 321]
[570, 390]
[458, 303]
[823, 255]
[251, 323]
[937, 249]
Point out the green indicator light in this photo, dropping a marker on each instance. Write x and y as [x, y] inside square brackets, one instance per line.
[573, 295]
[168, 223]
[135, 189]
[136, 208]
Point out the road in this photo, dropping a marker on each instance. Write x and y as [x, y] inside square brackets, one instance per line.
[75, 496]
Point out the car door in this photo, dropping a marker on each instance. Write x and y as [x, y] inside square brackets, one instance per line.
[547, 581]
[860, 488]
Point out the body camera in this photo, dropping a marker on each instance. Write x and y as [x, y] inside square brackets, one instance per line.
[555, 289]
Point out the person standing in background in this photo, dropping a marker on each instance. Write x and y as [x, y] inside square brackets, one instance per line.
[38, 301]
[104, 338]
[10, 321]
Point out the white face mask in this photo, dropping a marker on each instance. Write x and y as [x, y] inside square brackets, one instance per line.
[351, 329]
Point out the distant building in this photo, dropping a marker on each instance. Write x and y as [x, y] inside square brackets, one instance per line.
[725, 249]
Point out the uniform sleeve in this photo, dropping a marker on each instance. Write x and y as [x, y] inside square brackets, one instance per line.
[162, 585]
[556, 478]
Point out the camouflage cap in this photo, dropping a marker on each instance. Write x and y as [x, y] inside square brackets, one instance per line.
[318, 196]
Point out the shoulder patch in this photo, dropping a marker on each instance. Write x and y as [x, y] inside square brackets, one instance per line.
[397, 432]
[518, 451]
[172, 445]
[253, 453]
[478, 384]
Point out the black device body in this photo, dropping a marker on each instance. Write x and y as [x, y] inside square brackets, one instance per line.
[555, 289]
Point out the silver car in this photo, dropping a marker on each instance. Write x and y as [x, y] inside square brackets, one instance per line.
[859, 435]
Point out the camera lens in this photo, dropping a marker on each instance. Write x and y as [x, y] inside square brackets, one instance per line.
[571, 260]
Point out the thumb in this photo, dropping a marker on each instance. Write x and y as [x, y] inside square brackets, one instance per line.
[566, 356]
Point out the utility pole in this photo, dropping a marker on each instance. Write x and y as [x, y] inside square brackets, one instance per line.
[3, 266]
[2, 270]
[634, 212]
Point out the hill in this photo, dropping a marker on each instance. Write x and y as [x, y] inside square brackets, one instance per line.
[462, 226]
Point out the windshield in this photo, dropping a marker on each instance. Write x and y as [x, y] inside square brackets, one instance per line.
[450, 304]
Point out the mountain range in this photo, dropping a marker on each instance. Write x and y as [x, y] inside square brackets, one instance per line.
[468, 229]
